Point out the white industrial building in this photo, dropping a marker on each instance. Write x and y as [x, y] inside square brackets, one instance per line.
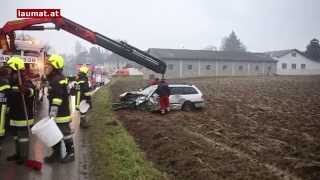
[184, 63]
[294, 62]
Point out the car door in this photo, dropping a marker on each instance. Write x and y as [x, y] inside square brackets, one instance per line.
[175, 97]
[189, 94]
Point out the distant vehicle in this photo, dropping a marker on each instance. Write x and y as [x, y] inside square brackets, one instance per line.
[183, 97]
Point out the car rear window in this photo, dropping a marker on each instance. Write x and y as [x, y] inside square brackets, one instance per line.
[182, 90]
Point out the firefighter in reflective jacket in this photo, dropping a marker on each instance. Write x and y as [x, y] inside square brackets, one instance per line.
[4, 90]
[18, 121]
[83, 93]
[59, 108]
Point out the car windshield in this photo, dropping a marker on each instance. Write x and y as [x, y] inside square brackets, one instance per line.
[148, 90]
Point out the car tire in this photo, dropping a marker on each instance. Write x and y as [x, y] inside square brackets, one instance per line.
[187, 106]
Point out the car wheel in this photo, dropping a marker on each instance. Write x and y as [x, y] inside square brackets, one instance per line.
[187, 106]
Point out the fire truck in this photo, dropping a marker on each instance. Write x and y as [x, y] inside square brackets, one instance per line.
[33, 54]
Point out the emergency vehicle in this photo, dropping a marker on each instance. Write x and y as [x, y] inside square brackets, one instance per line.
[33, 54]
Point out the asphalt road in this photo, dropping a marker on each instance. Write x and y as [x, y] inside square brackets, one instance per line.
[77, 170]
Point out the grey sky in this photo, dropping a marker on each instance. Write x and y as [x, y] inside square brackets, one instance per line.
[192, 24]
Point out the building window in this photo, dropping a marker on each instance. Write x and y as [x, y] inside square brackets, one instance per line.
[293, 54]
[240, 68]
[303, 66]
[189, 67]
[170, 67]
[269, 68]
[257, 68]
[224, 67]
[293, 66]
[284, 66]
[208, 67]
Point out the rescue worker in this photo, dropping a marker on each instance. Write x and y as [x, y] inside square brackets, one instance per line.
[164, 92]
[154, 82]
[18, 121]
[4, 90]
[83, 93]
[59, 108]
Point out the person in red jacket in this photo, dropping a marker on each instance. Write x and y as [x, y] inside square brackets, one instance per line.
[164, 92]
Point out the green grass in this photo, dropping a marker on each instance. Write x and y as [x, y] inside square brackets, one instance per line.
[114, 154]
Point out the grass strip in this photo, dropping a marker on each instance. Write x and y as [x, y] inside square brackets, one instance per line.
[114, 153]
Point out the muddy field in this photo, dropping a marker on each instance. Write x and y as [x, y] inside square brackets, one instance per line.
[252, 128]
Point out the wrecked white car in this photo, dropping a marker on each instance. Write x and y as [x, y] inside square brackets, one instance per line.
[183, 97]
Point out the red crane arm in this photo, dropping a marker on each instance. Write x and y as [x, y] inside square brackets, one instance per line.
[62, 23]
[121, 48]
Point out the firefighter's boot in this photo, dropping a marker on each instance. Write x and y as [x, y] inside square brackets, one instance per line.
[15, 156]
[84, 122]
[55, 156]
[70, 151]
[23, 150]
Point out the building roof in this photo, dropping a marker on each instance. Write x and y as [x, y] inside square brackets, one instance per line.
[186, 54]
[281, 53]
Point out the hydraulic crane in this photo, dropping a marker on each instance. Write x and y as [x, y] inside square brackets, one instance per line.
[7, 37]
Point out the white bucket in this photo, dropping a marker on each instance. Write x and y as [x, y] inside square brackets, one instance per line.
[84, 106]
[47, 131]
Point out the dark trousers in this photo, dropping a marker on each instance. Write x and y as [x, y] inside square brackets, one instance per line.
[67, 137]
[21, 137]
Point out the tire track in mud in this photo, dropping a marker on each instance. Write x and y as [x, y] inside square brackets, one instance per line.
[281, 174]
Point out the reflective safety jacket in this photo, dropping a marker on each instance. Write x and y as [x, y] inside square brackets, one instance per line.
[15, 103]
[4, 90]
[59, 96]
[82, 91]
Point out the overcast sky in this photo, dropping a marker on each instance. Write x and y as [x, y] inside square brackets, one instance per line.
[262, 25]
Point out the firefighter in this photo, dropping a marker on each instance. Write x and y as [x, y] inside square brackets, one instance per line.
[18, 121]
[4, 90]
[59, 108]
[83, 93]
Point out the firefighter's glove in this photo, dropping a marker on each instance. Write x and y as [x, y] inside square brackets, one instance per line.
[53, 111]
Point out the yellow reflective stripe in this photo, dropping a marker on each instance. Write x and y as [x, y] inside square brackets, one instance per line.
[21, 123]
[78, 98]
[2, 132]
[57, 101]
[4, 87]
[65, 81]
[2, 119]
[87, 94]
[67, 137]
[31, 92]
[15, 87]
[23, 139]
[79, 82]
[62, 119]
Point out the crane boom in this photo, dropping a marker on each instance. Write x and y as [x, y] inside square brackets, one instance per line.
[121, 48]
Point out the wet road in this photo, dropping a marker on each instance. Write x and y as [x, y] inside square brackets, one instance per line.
[77, 170]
